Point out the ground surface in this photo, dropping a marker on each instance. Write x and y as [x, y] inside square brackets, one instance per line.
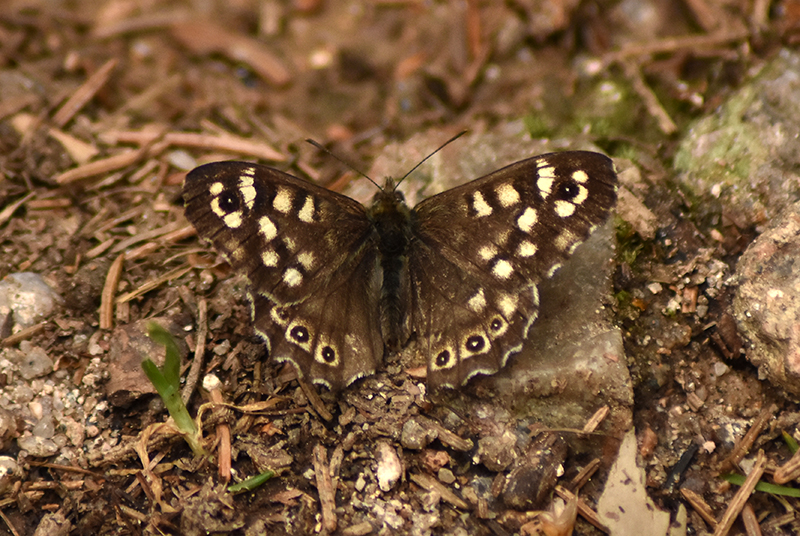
[104, 106]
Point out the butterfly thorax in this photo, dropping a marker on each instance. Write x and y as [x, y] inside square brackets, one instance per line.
[392, 219]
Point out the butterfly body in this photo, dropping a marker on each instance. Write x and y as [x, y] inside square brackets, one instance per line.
[334, 285]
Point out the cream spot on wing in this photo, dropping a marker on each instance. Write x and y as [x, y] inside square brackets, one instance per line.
[565, 240]
[270, 258]
[580, 176]
[306, 260]
[233, 220]
[216, 188]
[564, 209]
[502, 269]
[267, 228]
[574, 246]
[238, 253]
[290, 243]
[526, 249]
[248, 191]
[480, 205]
[583, 193]
[487, 253]
[507, 195]
[553, 269]
[283, 201]
[477, 302]
[527, 220]
[545, 186]
[307, 212]
[216, 208]
[292, 277]
[507, 303]
[535, 291]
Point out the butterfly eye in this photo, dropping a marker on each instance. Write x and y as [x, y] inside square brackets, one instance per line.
[328, 354]
[497, 327]
[568, 191]
[229, 202]
[299, 333]
[443, 358]
[475, 343]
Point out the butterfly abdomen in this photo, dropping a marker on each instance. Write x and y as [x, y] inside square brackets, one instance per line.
[392, 221]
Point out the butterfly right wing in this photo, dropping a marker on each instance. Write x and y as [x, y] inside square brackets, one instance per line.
[309, 255]
[481, 249]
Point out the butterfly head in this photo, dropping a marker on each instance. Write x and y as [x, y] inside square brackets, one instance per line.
[388, 199]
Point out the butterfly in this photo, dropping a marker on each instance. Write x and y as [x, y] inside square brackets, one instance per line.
[335, 285]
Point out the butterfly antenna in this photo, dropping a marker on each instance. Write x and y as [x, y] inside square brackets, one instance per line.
[325, 149]
[442, 146]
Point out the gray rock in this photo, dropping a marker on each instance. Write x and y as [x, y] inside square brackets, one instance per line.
[25, 299]
[37, 447]
[496, 453]
[766, 305]
[742, 160]
[390, 468]
[9, 473]
[417, 434]
[34, 361]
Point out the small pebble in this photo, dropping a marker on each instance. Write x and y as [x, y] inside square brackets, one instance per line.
[389, 467]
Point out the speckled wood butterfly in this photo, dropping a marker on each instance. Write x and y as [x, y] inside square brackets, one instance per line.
[334, 284]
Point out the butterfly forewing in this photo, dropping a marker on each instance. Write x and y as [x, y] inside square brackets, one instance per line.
[287, 235]
[333, 284]
[482, 248]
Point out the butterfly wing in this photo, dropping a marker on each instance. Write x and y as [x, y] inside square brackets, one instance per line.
[480, 250]
[310, 257]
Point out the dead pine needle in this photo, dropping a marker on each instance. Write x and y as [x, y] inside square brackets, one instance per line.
[84, 94]
[106, 311]
[740, 499]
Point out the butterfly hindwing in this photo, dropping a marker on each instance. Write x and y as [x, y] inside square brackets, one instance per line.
[333, 337]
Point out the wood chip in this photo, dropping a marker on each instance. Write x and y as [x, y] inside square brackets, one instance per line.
[598, 417]
[327, 495]
[431, 484]
[750, 521]
[84, 94]
[199, 351]
[583, 509]
[788, 471]
[11, 208]
[204, 37]
[101, 167]
[673, 44]
[211, 142]
[154, 284]
[314, 399]
[23, 334]
[743, 447]
[80, 151]
[739, 500]
[651, 102]
[700, 506]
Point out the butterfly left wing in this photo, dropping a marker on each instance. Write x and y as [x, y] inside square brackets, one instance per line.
[310, 257]
[480, 250]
